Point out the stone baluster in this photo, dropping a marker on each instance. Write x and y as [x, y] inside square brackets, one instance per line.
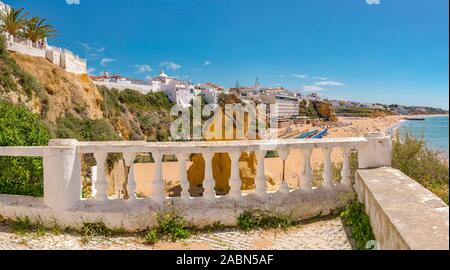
[235, 179]
[182, 157]
[307, 176]
[157, 191]
[209, 182]
[101, 183]
[284, 188]
[328, 170]
[260, 179]
[346, 172]
[131, 183]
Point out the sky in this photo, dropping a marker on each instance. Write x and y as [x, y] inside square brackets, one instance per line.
[393, 52]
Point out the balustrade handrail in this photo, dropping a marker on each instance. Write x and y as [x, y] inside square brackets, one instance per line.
[215, 146]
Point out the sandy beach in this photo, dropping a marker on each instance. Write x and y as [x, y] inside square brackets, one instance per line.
[346, 127]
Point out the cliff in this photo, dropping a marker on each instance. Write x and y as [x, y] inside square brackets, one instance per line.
[64, 92]
[325, 110]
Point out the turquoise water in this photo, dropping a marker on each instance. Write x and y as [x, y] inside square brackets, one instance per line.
[434, 130]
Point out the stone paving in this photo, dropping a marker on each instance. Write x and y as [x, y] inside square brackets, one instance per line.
[321, 235]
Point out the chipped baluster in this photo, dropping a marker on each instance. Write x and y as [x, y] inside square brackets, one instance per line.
[307, 176]
[209, 182]
[101, 183]
[284, 188]
[260, 179]
[182, 157]
[235, 179]
[346, 172]
[328, 170]
[131, 183]
[157, 191]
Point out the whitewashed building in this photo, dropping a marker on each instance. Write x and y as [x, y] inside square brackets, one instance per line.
[286, 106]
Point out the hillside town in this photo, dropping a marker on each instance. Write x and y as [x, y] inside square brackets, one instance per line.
[93, 160]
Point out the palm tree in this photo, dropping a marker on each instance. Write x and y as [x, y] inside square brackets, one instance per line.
[14, 20]
[36, 30]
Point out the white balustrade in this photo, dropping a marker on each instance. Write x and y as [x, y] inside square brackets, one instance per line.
[307, 176]
[328, 169]
[346, 172]
[284, 188]
[131, 183]
[235, 179]
[62, 165]
[157, 188]
[182, 157]
[208, 182]
[101, 183]
[260, 179]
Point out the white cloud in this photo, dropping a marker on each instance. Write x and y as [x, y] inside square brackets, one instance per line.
[91, 70]
[143, 68]
[207, 63]
[329, 83]
[171, 65]
[105, 61]
[92, 52]
[300, 76]
[312, 88]
[320, 78]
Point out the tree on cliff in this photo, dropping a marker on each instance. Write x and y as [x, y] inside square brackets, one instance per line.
[36, 30]
[14, 21]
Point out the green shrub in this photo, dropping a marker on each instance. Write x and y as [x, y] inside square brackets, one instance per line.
[19, 127]
[250, 220]
[170, 226]
[71, 127]
[355, 217]
[412, 156]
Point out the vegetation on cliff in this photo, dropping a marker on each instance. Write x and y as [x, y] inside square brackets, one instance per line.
[412, 156]
[19, 127]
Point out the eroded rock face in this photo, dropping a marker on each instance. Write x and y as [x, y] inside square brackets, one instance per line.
[325, 110]
[66, 92]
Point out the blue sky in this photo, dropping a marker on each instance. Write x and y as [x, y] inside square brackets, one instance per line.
[393, 52]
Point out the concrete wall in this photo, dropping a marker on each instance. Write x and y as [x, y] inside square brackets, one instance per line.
[404, 215]
[122, 86]
[72, 63]
[53, 54]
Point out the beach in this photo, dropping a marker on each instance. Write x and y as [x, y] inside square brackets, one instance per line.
[346, 127]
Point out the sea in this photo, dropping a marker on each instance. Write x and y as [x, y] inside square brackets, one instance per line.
[434, 130]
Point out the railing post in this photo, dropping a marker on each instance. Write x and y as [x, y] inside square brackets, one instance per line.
[377, 152]
[346, 172]
[307, 176]
[260, 179]
[131, 183]
[209, 182]
[101, 183]
[328, 169]
[182, 157]
[235, 179]
[62, 175]
[157, 191]
[284, 188]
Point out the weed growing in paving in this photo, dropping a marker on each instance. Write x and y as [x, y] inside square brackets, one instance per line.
[355, 217]
[250, 220]
[170, 226]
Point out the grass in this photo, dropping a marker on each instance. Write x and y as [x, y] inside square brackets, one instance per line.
[24, 225]
[361, 230]
[170, 226]
[253, 219]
